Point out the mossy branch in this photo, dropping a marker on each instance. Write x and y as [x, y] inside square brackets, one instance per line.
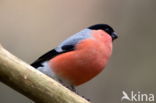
[32, 83]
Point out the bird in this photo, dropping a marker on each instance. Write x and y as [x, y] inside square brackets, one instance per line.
[80, 57]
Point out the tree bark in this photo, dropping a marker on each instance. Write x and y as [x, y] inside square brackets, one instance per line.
[32, 83]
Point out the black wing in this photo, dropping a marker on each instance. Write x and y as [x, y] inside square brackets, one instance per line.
[51, 54]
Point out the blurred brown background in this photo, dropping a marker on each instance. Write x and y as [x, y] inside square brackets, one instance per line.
[29, 28]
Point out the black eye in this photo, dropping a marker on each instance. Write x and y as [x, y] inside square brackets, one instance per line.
[108, 30]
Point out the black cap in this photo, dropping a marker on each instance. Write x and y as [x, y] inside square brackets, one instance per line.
[105, 28]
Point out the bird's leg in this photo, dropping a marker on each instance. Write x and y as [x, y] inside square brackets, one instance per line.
[71, 87]
[68, 85]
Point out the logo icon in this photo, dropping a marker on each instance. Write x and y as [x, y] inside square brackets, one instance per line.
[137, 96]
[125, 96]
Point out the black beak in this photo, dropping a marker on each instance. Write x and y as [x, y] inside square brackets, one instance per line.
[114, 35]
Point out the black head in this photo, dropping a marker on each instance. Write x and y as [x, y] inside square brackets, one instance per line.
[105, 28]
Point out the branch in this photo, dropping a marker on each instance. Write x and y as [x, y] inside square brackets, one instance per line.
[32, 83]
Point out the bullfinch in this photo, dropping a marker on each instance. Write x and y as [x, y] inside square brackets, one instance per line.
[80, 57]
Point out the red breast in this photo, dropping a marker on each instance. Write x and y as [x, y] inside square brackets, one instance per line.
[87, 60]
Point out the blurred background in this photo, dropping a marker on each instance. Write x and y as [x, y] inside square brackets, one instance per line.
[29, 28]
